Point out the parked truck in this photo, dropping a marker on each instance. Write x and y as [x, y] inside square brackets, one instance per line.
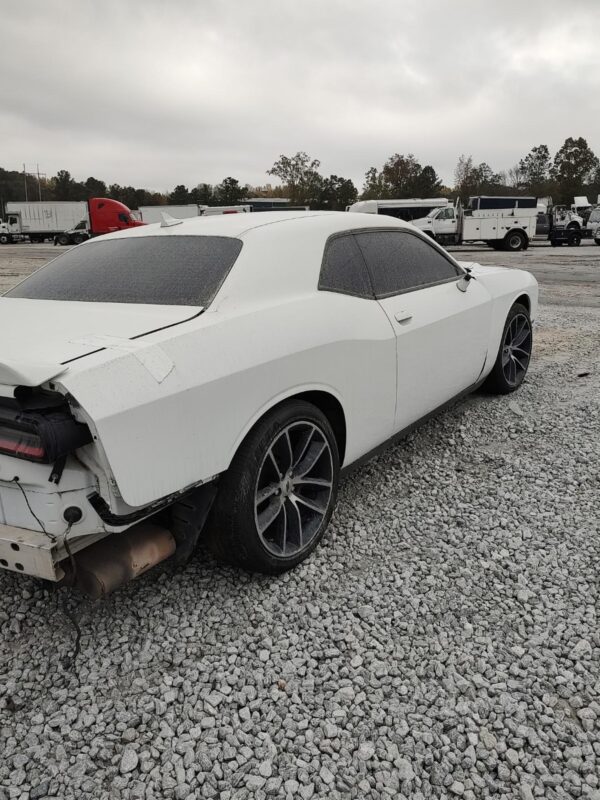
[504, 223]
[64, 222]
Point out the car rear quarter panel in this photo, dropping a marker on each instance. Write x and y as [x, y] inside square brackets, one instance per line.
[160, 436]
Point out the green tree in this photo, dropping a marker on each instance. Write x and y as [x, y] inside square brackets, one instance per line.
[229, 192]
[336, 193]
[374, 187]
[401, 177]
[64, 187]
[202, 194]
[95, 187]
[179, 196]
[534, 171]
[575, 166]
[299, 174]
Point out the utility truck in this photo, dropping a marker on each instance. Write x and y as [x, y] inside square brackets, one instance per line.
[407, 209]
[65, 222]
[504, 223]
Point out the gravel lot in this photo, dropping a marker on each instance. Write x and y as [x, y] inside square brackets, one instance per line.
[443, 641]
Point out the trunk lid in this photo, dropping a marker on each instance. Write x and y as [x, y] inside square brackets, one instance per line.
[39, 337]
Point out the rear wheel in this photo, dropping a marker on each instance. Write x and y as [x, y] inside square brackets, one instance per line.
[512, 361]
[514, 240]
[275, 500]
[63, 239]
[78, 238]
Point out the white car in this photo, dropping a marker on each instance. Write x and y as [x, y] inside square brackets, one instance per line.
[245, 359]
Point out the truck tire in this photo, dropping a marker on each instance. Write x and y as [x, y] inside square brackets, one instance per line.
[78, 238]
[574, 238]
[63, 239]
[514, 241]
[4, 238]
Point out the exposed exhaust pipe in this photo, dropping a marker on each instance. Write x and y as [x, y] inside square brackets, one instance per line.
[112, 562]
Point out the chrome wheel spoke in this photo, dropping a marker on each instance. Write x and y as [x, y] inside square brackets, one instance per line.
[295, 524]
[268, 516]
[312, 504]
[264, 494]
[313, 454]
[321, 482]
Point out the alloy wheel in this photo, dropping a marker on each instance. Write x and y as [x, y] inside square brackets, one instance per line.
[294, 488]
[516, 349]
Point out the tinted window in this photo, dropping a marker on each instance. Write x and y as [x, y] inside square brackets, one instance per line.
[488, 203]
[343, 268]
[406, 213]
[399, 261]
[164, 270]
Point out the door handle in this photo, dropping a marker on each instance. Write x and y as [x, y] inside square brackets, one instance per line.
[403, 316]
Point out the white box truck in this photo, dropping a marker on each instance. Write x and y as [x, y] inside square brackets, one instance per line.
[41, 220]
[504, 223]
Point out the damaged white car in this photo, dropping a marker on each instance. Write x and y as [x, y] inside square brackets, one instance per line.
[215, 375]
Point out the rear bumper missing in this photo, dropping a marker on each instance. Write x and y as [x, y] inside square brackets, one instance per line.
[37, 554]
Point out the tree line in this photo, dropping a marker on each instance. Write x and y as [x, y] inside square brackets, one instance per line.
[573, 170]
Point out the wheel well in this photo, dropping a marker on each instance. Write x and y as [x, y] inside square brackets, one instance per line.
[332, 408]
[524, 301]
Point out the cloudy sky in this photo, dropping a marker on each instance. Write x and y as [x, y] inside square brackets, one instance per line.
[157, 93]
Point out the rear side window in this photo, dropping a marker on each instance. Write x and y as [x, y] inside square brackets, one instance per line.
[400, 261]
[343, 269]
[163, 270]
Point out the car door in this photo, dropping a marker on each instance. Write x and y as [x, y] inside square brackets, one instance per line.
[444, 223]
[441, 332]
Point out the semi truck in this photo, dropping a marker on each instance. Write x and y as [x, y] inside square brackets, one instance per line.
[63, 221]
[504, 223]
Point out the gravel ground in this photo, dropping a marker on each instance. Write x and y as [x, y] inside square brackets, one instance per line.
[442, 642]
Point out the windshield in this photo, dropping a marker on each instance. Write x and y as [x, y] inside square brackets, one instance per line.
[156, 270]
[433, 212]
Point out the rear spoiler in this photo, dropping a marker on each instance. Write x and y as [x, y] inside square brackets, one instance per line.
[29, 373]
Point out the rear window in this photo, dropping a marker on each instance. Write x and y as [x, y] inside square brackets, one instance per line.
[158, 270]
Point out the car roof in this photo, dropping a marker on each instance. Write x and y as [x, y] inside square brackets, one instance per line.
[237, 225]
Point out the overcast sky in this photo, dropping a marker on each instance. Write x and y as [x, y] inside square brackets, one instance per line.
[157, 93]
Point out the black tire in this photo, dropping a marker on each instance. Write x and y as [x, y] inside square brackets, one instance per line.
[514, 241]
[499, 380]
[4, 239]
[233, 527]
[574, 239]
[63, 239]
[78, 238]
[573, 226]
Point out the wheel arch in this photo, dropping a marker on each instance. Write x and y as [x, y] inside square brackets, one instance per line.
[325, 399]
[524, 300]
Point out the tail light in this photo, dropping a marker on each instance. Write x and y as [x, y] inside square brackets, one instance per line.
[43, 436]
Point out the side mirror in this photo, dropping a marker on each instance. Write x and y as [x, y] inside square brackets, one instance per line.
[463, 282]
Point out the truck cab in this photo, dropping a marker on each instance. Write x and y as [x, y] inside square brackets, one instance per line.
[10, 231]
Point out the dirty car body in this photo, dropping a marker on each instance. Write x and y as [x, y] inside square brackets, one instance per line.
[134, 367]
